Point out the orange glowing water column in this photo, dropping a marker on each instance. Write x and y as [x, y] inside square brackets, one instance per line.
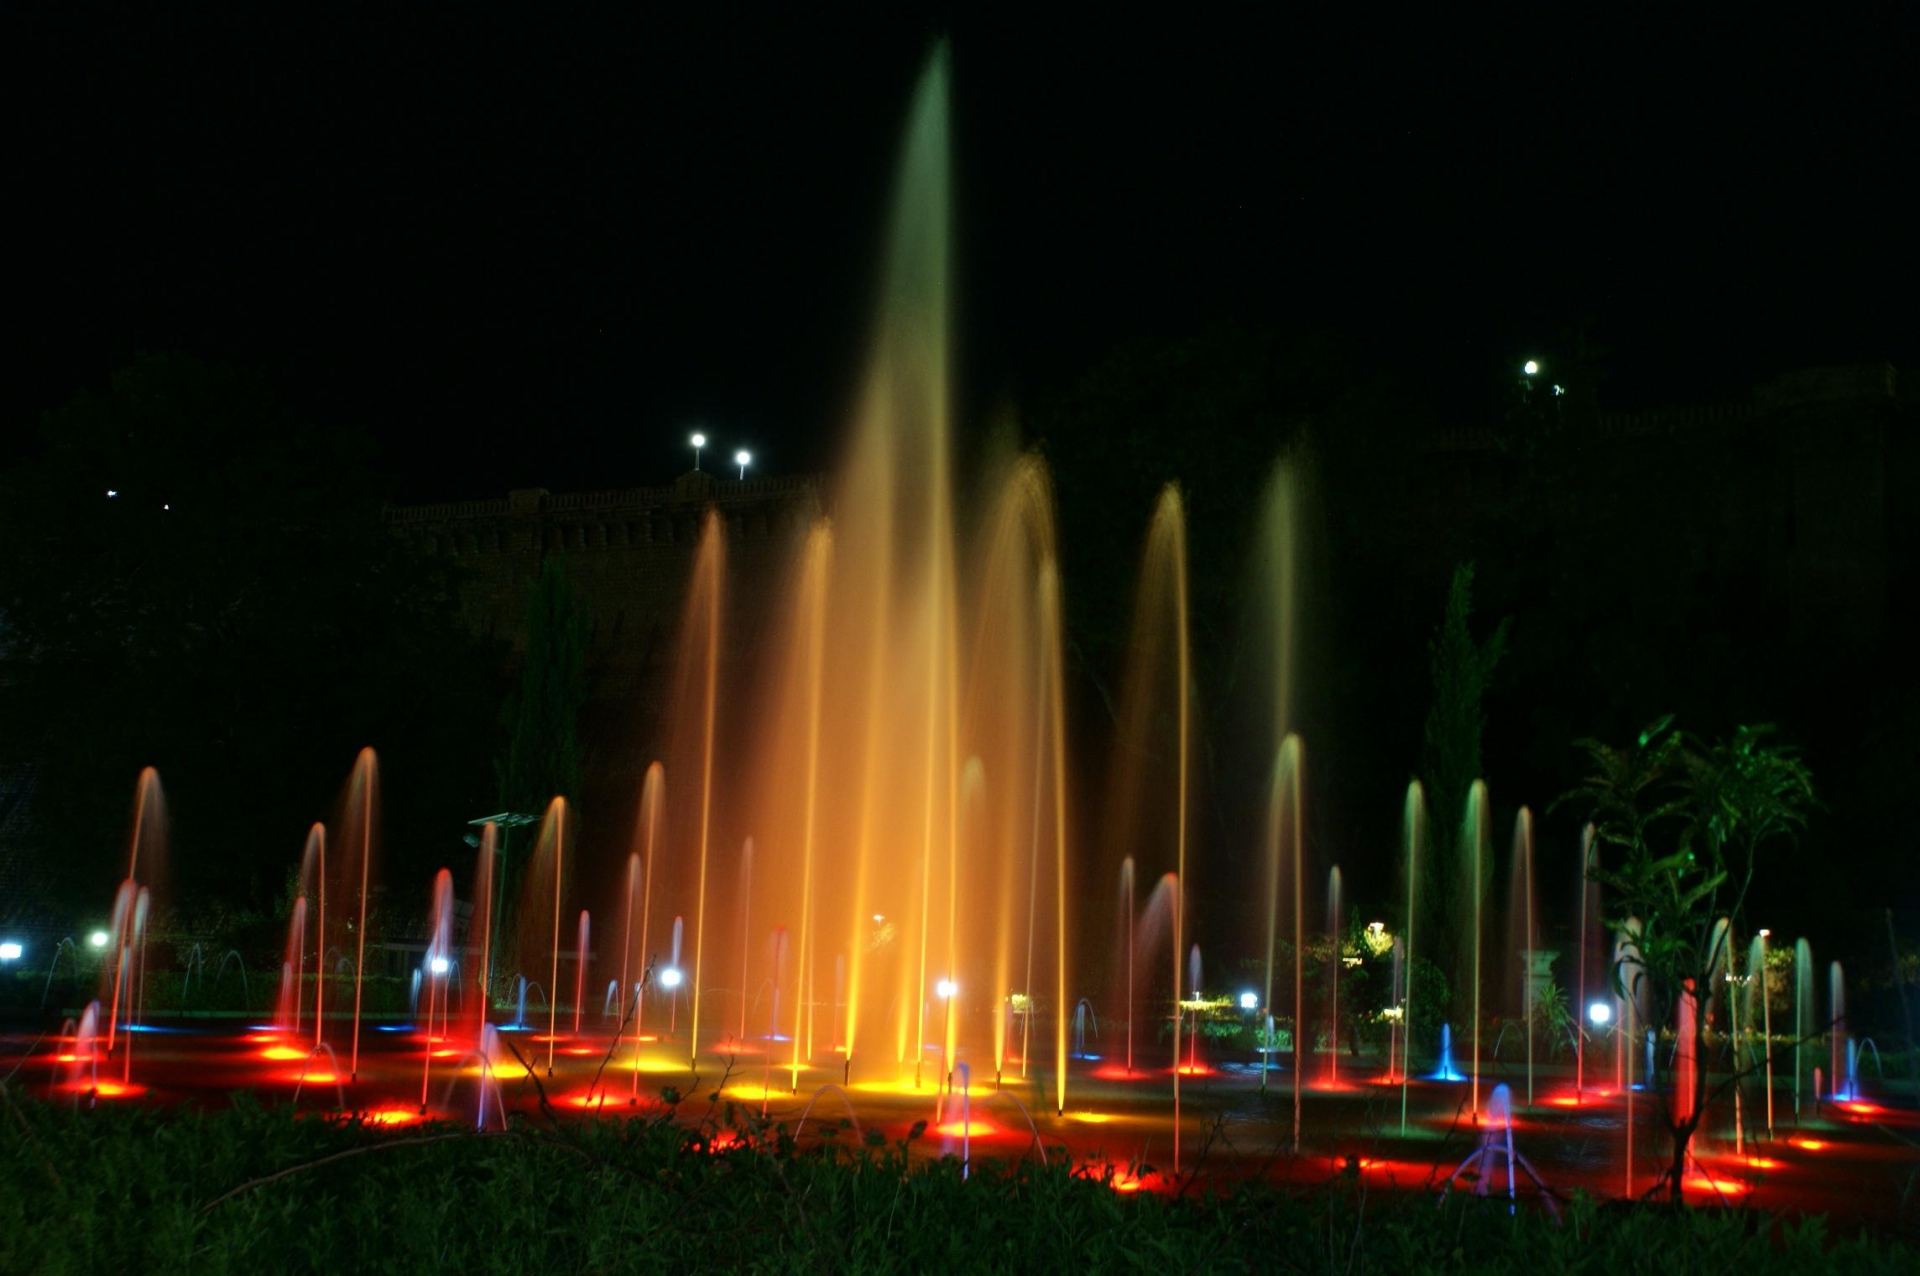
[819, 564]
[709, 572]
[1050, 640]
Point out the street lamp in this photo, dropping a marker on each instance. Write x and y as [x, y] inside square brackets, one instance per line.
[1249, 1001]
[699, 441]
[98, 939]
[1530, 367]
[742, 458]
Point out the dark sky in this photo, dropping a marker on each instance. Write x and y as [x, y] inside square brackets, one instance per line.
[530, 250]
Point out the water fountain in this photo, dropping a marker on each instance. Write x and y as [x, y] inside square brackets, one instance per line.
[362, 797]
[1444, 1070]
[1836, 1022]
[1413, 834]
[1334, 957]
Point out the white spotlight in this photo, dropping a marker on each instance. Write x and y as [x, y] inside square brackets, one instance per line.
[1249, 1001]
[1600, 1013]
[670, 978]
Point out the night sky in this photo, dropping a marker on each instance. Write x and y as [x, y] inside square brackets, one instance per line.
[524, 250]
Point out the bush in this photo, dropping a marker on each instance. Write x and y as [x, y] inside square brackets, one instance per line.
[144, 1189]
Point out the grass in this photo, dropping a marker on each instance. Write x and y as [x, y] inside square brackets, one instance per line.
[124, 1188]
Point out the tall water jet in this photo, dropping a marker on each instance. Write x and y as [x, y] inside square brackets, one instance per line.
[362, 795]
[1284, 857]
[1128, 927]
[293, 968]
[1588, 903]
[1413, 826]
[542, 892]
[746, 936]
[435, 964]
[483, 887]
[1836, 1025]
[313, 877]
[1523, 940]
[1050, 652]
[1757, 986]
[1334, 910]
[630, 901]
[813, 605]
[582, 949]
[1475, 863]
[653, 791]
[136, 951]
[147, 840]
[709, 574]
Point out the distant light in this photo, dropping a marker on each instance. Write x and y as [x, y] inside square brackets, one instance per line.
[1559, 389]
[1376, 927]
[1249, 1001]
[670, 978]
[699, 440]
[111, 493]
[879, 917]
[1764, 932]
[1600, 1013]
[439, 965]
[1530, 367]
[98, 939]
[10, 951]
[166, 507]
[946, 988]
[743, 458]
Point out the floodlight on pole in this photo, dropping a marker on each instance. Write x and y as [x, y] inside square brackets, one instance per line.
[743, 458]
[699, 441]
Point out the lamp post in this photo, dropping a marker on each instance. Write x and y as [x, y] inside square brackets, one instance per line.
[743, 458]
[1766, 1030]
[699, 441]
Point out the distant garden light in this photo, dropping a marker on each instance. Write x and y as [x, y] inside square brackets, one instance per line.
[111, 493]
[946, 988]
[1530, 367]
[1600, 1013]
[1249, 1001]
[670, 978]
[10, 951]
[699, 441]
[439, 965]
[98, 939]
[743, 458]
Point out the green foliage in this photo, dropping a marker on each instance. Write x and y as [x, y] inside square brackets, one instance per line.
[1680, 825]
[139, 1189]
